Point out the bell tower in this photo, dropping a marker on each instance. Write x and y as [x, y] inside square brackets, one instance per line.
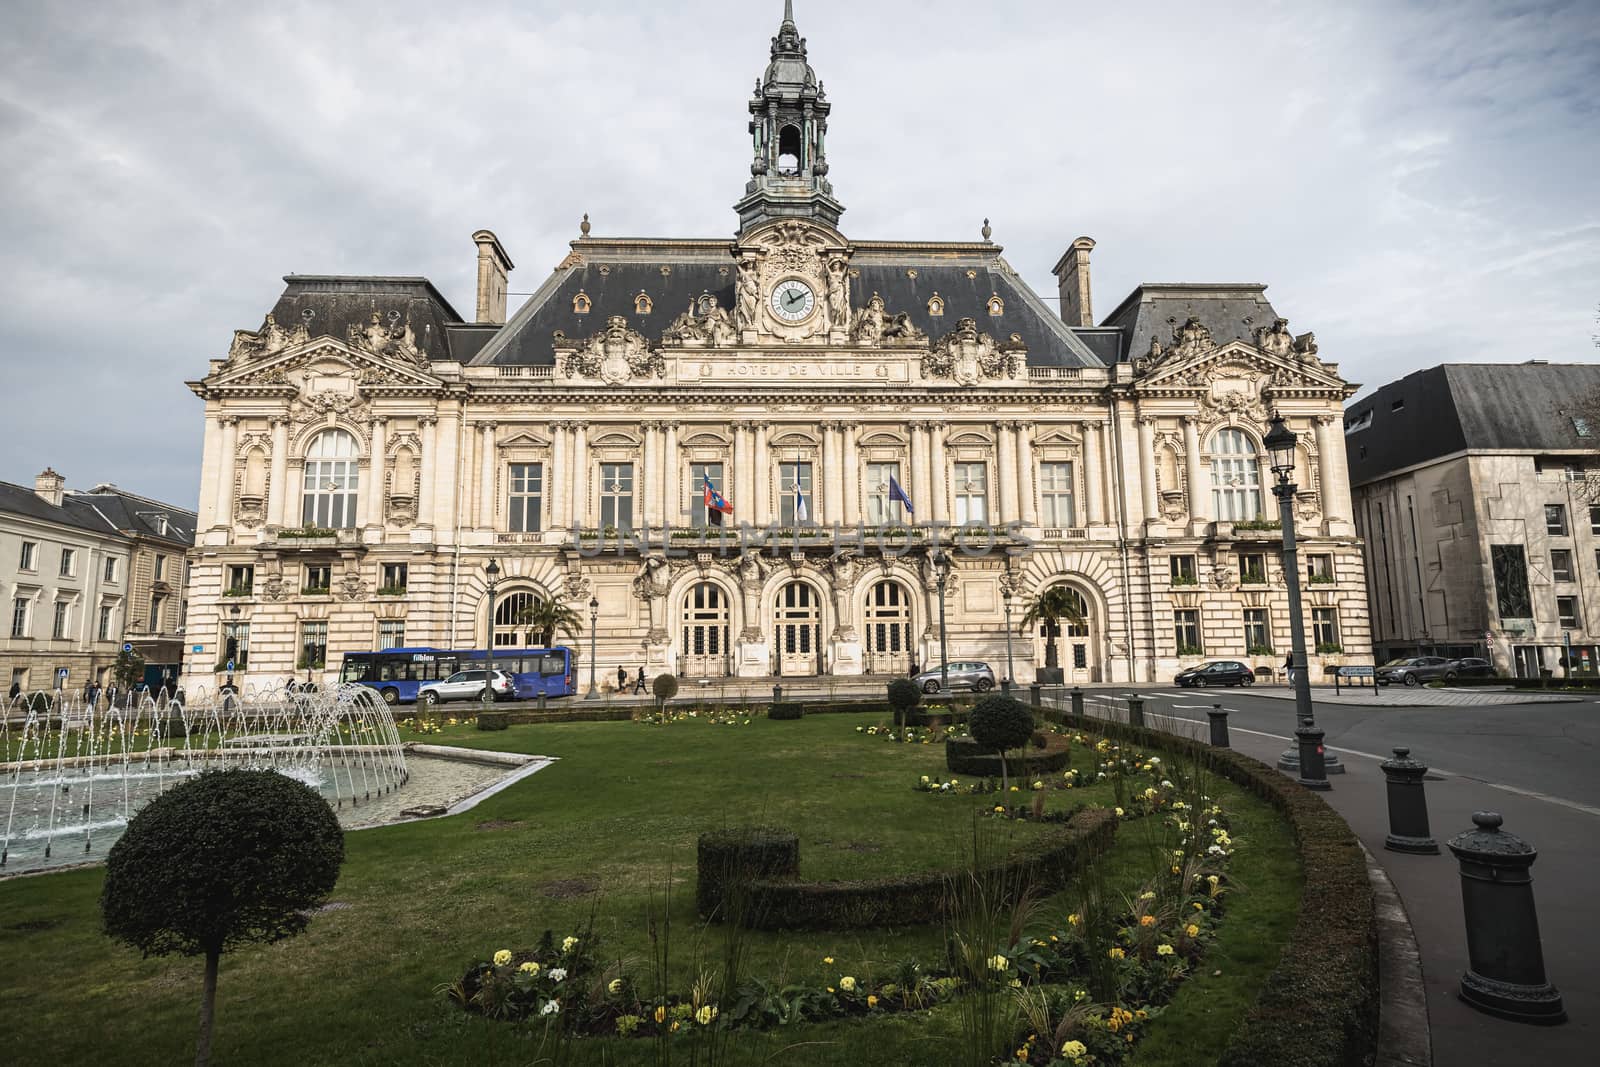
[788, 124]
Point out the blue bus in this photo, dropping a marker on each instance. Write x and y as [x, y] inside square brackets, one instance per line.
[397, 672]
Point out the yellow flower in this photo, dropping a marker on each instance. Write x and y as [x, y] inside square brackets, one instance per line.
[999, 809]
[1192, 930]
[661, 1013]
[1074, 919]
[831, 989]
[1199, 906]
[614, 987]
[1118, 811]
[1163, 950]
[1074, 1050]
[1117, 954]
[1147, 920]
[872, 1000]
[848, 984]
[569, 944]
[998, 963]
[828, 960]
[502, 957]
[705, 1015]
[529, 968]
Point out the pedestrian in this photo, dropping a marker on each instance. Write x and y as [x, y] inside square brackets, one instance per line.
[111, 695]
[93, 696]
[622, 678]
[638, 683]
[16, 689]
[916, 669]
[1288, 667]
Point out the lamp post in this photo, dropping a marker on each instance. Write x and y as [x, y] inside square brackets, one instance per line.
[491, 574]
[1307, 756]
[1005, 598]
[594, 616]
[941, 577]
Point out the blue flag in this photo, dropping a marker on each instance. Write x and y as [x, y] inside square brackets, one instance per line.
[897, 493]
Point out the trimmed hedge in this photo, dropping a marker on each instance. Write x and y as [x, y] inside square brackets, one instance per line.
[741, 855]
[1049, 863]
[493, 720]
[785, 711]
[556, 714]
[963, 755]
[1320, 1005]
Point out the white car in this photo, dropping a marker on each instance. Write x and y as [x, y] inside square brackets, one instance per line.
[487, 686]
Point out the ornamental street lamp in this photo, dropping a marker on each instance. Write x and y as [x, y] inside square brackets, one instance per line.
[1005, 597]
[594, 615]
[1307, 757]
[941, 577]
[491, 574]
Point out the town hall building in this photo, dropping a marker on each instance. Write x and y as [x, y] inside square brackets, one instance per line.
[875, 424]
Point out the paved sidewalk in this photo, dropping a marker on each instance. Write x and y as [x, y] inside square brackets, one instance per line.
[1564, 879]
[1393, 696]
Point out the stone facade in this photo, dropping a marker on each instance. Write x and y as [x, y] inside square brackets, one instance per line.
[797, 370]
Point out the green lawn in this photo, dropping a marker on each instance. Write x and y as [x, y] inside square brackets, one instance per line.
[601, 831]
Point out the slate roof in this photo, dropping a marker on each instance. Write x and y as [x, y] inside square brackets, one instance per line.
[1509, 407]
[74, 511]
[613, 274]
[136, 514]
[1230, 310]
[336, 302]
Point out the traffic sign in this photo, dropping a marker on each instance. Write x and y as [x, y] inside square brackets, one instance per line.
[127, 647]
[197, 648]
[230, 665]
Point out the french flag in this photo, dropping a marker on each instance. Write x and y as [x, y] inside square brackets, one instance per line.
[716, 505]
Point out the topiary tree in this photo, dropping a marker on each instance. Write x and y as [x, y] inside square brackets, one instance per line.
[665, 687]
[999, 723]
[228, 858]
[128, 670]
[903, 697]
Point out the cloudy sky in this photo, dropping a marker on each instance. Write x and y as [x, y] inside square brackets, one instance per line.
[1415, 181]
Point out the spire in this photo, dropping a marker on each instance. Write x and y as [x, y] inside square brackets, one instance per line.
[788, 125]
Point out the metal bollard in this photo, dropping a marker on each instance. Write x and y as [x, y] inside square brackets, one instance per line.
[1408, 806]
[1313, 771]
[777, 693]
[1077, 706]
[1505, 974]
[1135, 711]
[1034, 694]
[541, 700]
[1219, 726]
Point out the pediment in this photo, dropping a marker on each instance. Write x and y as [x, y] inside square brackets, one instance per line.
[524, 439]
[322, 360]
[1238, 362]
[706, 439]
[1055, 436]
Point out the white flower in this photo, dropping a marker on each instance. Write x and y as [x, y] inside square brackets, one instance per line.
[557, 973]
[551, 1007]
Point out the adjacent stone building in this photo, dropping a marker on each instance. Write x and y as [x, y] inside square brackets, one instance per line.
[82, 574]
[1477, 492]
[368, 451]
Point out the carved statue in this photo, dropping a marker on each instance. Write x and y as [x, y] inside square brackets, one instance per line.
[748, 305]
[1305, 346]
[1275, 340]
[269, 340]
[902, 328]
[968, 356]
[653, 579]
[392, 341]
[1192, 339]
[1150, 359]
[869, 324]
[718, 326]
[750, 568]
[614, 355]
[838, 293]
[1222, 576]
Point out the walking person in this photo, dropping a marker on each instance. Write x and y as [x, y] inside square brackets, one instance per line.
[638, 683]
[1288, 667]
[622, 678]
[16, 689]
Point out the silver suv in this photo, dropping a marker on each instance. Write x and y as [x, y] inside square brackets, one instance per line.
[968, 674]
[487, 686]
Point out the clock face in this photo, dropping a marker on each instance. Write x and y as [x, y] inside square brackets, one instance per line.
[793, 300]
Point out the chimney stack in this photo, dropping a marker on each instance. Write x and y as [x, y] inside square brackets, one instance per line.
[50, 487]
[1072, 273]
[493, 267]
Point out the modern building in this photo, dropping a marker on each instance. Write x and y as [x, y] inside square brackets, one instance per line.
[369, 451]
[82, 574]
[1477, 494]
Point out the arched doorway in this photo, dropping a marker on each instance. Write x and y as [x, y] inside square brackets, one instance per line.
[510, 620]
[704, 652]
[888, 629]
[1076, 644]
[797, 620]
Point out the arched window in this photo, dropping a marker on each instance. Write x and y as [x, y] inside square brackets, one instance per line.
[512, 618]
[789, 151]
[1235, 477]
[329, 497]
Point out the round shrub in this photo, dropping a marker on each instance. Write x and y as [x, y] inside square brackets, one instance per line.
[728, 858]
[665, 687]
[999, 723]
[904, 696]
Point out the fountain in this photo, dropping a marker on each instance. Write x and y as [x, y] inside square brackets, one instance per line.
[72, 774]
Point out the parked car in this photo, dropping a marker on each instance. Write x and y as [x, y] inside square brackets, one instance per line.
[970, 674]
[1220, 672]
[1412, 671]
[1468, 667]
[487, 686]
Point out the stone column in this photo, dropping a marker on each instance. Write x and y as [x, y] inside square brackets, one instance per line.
[1199, 490]
[447, 495]
[737, 484]
[672, 491]
[1128, 470]
[1094, 475]
[578, 482]
[1005, 448]
[832, 472]
[1147, 466]
[562, 516]
[371, 493]
[279, 493]
[759, 509]
[852, 474]
[649, 482]
[1330, 450]
[1025, 477]
[430, 460]
[486, 475]
[921, 477]
[937, 471]
[225, 471]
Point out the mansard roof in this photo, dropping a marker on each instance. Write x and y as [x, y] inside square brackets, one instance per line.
[1230, 310]
[337, 302]
[72, 511]
[138, 515]
[612, 274]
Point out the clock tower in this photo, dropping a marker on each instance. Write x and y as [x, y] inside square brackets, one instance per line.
[788, 124]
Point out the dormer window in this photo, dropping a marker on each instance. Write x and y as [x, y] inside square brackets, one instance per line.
[641, 304]
[581, 303]
[997, 306]
[936, 304]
